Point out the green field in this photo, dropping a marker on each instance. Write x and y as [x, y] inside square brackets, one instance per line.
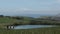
[7, 21]
[55, 30]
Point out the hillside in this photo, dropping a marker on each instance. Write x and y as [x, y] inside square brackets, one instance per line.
[45, 20]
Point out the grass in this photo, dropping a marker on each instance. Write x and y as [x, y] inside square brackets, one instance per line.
[5, 20]
[54, 30]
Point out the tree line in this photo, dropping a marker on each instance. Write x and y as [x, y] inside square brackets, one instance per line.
[45, 20]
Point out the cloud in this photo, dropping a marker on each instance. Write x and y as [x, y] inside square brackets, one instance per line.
[19, 11]
[58, 1]
[13, 11]
[25, 9]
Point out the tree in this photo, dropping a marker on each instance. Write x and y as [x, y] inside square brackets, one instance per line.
[1, 16]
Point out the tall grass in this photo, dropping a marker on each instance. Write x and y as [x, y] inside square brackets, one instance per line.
[32, 31]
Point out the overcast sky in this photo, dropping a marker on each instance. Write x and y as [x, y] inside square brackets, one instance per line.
[16, 7]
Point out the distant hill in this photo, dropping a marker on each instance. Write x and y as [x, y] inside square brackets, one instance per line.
[35, 15]
[56, 17]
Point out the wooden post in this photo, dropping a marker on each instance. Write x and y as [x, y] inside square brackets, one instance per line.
[8, 27]
[13, 26]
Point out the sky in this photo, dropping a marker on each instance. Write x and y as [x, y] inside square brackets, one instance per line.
[18, 7]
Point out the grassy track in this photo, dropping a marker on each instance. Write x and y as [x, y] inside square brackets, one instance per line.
[32, 31]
